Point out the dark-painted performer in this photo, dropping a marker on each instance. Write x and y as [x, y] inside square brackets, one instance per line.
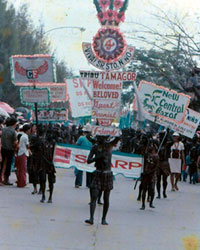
[148, 180]
[101, 154]
[164, 169]
[46, 167]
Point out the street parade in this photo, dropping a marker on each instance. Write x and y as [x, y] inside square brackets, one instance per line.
[100, 152]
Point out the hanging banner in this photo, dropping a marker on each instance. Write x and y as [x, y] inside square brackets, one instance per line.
[106, 101]
[105, 76]
[67, 156]
[107, 66]
[51, 115]
[160, 103]
[29, 96]
[32, 69]
[80, 104]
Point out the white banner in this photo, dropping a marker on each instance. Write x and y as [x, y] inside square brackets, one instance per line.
[79, 101]
[188, 127]
[58, 91]
[30, 95]
[67, 156]
[161, 103]
[106, 101]
[51, 115]
[32, 69]
[100, 130]
[105, 76]
[126, 58]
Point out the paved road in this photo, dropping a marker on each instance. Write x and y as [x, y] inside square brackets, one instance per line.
[26, 224]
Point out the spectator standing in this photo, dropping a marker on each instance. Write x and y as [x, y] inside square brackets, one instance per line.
[177, 158]
[84, 142]
[21, 158]
[9, 143]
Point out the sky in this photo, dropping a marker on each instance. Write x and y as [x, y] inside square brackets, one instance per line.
[66, 43]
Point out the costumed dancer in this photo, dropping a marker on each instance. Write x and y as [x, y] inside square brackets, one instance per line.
[46, 168]
[101, 154]
[151, 161]
[163, 170]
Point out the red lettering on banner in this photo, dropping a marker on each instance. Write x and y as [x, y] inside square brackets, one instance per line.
[121, 164]
[81, 159]
[134, 165]
[75, 82]
[89, 83]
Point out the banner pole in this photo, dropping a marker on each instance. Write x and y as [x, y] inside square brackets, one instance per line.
[162, 142]
[36, 114]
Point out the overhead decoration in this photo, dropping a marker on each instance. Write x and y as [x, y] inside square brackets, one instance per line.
[111, 12]
[109, 50]
[109, 43]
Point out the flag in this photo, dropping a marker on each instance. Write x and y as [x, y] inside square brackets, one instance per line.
[141, 115]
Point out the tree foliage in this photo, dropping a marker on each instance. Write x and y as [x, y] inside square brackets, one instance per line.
[18, 36]
[170, 57]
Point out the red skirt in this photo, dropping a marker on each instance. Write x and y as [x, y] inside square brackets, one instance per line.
[20, 164]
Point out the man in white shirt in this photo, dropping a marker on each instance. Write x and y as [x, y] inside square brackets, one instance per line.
[23, 153]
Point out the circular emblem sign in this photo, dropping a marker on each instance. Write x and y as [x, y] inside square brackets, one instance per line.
[109, 44]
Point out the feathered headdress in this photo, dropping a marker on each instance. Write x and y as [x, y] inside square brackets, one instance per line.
[111, 12]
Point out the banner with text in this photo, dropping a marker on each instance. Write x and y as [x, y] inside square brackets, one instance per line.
[58, 91]
[51, 115]
[67, 156]
[32, 69]
[80, 103]
[107, 66]
[187, 128]
[107, 76]
[29, 96]
[160, 103]
[106, 101]
[100, 130]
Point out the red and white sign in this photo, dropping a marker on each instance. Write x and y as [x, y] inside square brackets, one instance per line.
[67, 156]
[162, 103]
[107, 76]
[79, 101]
[58, 91]
[32, 69]
[107, 66]
[106, 101]
[35, 95]
[101, 130]
[51, 115]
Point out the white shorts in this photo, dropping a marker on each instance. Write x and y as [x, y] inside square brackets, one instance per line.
[175, 165]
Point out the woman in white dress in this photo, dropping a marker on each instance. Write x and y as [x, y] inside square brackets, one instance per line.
[177, 158]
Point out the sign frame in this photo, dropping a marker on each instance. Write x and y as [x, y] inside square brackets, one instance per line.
[32, 103]
[11, 60]
[49, 109]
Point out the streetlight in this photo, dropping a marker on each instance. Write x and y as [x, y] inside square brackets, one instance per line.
[82, 29]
